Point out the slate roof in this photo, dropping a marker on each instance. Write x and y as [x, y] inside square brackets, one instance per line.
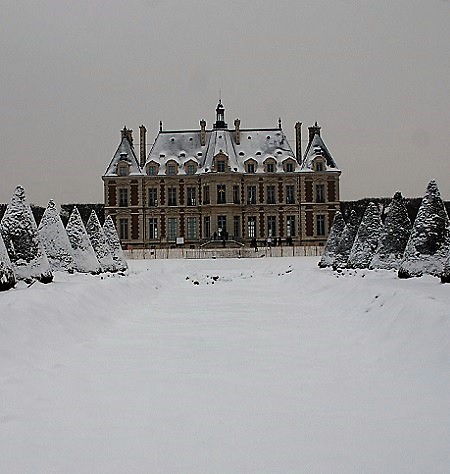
[124, 153]
[316, 147]
[257, 145]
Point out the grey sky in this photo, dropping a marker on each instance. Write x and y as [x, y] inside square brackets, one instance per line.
[375, 75]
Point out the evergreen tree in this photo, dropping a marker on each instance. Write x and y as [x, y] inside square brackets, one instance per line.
[346, 242]
[366, 240]
[7, 278]
[394, 236]
[429, 243]
[84, 255]
[21, 239]
[54, 238]
[99, 243]
[114, 244]
[333, 240]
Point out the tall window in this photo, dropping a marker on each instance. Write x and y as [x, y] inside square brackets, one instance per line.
[207, 227]
[172, 228]
[271, 226]
[236, 195]
[270, 194]
[221, 226]
[237, 226]
[172, 196]
[290, 226]
[123, 229]
[191, 228]
[206, 196]
[221, 194]
[191, 196]
[251, 194]
[221, 166]
[320, 193]
[251, 226]
[153, 228]
[320, 223]
[319, 166]
[152, 197]
[290, 194]
[123, 197]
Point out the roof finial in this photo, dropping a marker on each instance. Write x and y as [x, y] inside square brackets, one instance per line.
[279, 123]
[160, 126]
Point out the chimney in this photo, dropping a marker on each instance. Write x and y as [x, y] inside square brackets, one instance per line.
[142, 145]
[202, 132]
[313, 130]
[237, 131]
[298, 141]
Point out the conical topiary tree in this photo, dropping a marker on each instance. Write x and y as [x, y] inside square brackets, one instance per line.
[333, 240]
[428, 245]
[84, 255]
[366, 240]
[346, 242]
[99, 243]
[22, 242]
[114, 244]
[55, 241]
[7, 278]
[394, 236]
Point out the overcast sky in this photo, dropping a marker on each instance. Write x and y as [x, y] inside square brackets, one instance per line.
[374, 74]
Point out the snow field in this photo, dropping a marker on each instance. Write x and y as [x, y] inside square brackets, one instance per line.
[275, 366]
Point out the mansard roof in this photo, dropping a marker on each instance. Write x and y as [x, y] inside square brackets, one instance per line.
[255, 144]
[316, 147]
[125, 154]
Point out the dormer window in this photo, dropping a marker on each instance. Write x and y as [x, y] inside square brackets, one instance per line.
[270, 165]
[319, 166]
[191, 169]
[221, 166]
[123, 170]
[171, 169]
[250, 167]
[289, 167]
[151, 170]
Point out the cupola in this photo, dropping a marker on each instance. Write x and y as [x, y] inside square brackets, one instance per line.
[220, 116]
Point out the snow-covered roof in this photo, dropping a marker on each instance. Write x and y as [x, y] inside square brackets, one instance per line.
[316, 147]
[257, 145]
[125, 154]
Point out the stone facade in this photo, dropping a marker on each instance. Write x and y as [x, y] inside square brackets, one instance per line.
[222, 187]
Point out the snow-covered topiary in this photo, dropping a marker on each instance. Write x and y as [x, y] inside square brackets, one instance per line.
[333, 240]
[366, 240]
[55, 241]
[428, 245]
[21, 238]
[346, 242]
[99, 243]
[114, 244]
[84, 255]
[7, 278]
[394, 236]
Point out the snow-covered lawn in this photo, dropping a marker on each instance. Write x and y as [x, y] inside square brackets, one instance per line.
[226, 366]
